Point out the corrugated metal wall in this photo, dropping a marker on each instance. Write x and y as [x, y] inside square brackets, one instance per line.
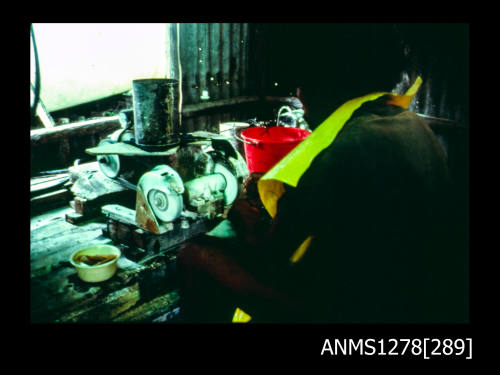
[434, 100]
[221, 60]
[437, 98]
[441, 54]
[214, 57]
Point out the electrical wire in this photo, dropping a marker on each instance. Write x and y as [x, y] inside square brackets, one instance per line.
[179, 68]
[37, 86]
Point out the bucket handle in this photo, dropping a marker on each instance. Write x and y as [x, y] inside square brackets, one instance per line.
[234, 134]
[242, 140]
[286, 109]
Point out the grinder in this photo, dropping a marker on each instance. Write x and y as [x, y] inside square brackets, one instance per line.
[180, 178]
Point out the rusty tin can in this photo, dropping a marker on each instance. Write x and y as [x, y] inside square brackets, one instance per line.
[156, 111]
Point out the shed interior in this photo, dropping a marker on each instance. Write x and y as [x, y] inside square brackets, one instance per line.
[227, 74]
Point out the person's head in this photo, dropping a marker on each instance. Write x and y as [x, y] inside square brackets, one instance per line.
[338, 62]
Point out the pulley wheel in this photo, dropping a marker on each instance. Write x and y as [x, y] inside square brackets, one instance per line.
[166, 207]
[232, 187]
[109, 164]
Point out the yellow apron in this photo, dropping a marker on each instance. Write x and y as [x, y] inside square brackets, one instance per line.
[293, 165]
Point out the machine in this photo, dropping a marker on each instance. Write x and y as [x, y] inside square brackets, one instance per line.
[184, 182]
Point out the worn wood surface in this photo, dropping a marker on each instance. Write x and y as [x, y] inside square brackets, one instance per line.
[139, 292]
[155, 308]
[122, 229]
[90, 183]
[91, 190]
[52, 239]
[50, 200]
[56, 133]
[142, 289]
[126, 149]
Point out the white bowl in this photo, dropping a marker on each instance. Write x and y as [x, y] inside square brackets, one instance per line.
[98, 273]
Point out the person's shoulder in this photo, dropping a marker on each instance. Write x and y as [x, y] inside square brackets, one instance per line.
[388, 120]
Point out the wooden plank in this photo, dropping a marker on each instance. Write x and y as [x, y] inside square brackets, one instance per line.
[55, 293]
[169, 316]
[49, 200]
[119, 213]
[106, 308]
[75, 218]
[79, 205]
[40, 186]
[76, 170]
[125, 231]
[92, 190]
[193, 109]
[45, 219]
[56, 133]
[54, 241]
[93, 185]
[60, 296]
[126, 149]
[46, 178]
[151, 309]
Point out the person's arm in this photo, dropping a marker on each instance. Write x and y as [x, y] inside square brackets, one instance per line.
[248, 216]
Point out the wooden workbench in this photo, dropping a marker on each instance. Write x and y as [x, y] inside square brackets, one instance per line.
[142, 291]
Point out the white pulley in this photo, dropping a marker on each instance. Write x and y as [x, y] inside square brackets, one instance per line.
[109, 164]
[162, 187]
[231, 190]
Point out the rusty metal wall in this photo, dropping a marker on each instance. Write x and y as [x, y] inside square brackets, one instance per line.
[215, 57]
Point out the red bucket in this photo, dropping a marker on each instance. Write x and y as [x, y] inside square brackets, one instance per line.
[266, 146]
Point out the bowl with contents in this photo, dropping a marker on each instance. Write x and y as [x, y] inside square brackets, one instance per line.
[96, 263]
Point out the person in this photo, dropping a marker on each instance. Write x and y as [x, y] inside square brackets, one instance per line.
[368, 235]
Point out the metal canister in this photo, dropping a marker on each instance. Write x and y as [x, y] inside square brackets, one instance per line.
[156, 111]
